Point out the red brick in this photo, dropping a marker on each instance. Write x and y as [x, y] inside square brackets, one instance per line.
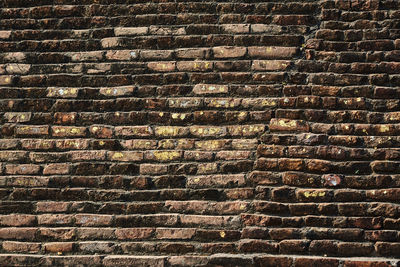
[134, 233]
[93, 220]
[22, 169]
[58, 247]
[18, 233]
[32, 130]
[122, 260]
[162, 66]
[270, 65]
[169, 233]
[21, 247]
[130, 31]
[229, 52]
[56, 168]
[230, 180]
[17, 220]
[272, 52]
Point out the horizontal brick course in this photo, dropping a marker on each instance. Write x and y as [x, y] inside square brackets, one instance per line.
[164, 133]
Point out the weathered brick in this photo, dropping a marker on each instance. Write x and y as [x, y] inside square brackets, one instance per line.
[67, 131]
[62, 92]
[229, 52]
[201, 89]
[125, 156]
[21, 247]
[134, 233]
[194, 65]
[32, 130]
[270, 65]
[231, 180]
[22, 169]
[130, 31]
[56, 168]
[136, 131]
[272, 52]
[58, 247]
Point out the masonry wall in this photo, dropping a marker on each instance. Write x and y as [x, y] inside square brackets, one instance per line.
[176, 133]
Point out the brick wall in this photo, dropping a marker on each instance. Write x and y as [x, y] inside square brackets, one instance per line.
[176, 133]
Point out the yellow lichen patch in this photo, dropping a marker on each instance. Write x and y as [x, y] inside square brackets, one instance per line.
[308, 194]
[117, 155]
[166, 155]
[211, 144]
[207, 131]
[167, 144]
[222, 234]
[170, 131]
[384, 128]
[246, 130]
[62, 92]
[290, 123]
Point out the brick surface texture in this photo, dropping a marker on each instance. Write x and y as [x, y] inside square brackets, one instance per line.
[200, 133]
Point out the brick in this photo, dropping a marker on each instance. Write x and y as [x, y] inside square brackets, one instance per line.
[17, 116]
[49, 206]
[87, 56]
[219, 221]
[171, 131]
[125, 156]
[134, 233]
[270, 65]
[236, 28]
[62, 92]
[56, 168]
[20, 233]
[156, 54]
[110, 42]
[315, 262]
[32, 130]
[229, 52]
[163, 156]
[67, 131]
[138, 144]
[5, 34]
[6, 79]
[22, 169]
[13, 155]
[202, 131]
[120, 31]
[134, 131]
[87, 155]
[272, 52]
[124, 55]
[153, 169]
[21, 247]
[65, 118]
[198, 53]
[169, 233]
[58, 247]
[202, 89]
[93, 220]
[74, 260]
[17, 220]
[117, 91]
[66, 144]
[55, 219]
[288, 125]
[194, 65]
[232, 180]
[164, 66]
[122, 260]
